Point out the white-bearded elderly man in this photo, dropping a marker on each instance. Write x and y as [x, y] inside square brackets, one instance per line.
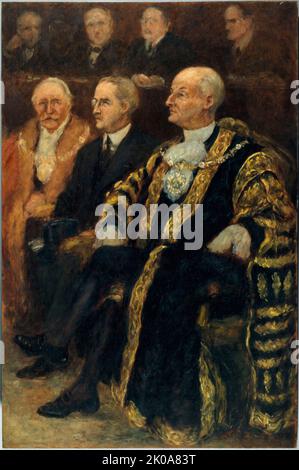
[38, 161]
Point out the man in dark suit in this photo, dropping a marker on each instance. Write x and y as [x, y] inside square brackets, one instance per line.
[151, 340]
[99, 165]
[258, 73]
[98, 54]
[24, 51]
[152, 61]
[156, 57]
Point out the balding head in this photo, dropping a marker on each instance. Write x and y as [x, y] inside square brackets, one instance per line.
[196, 94]
[98, 24]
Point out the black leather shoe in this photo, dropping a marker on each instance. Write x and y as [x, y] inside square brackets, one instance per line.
[31, 345]
[67, 403]
[41, 367]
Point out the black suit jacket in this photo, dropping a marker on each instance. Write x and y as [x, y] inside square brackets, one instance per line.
[171, 55]
[16, 62]
[108, 61]
[92, 177]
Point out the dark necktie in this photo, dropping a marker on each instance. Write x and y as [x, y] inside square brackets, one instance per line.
[93, 58]
[150, 50]
[97, 50]
[237, 53]
[107, 152]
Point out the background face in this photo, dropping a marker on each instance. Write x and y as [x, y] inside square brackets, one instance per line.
[153, 25]
[60, 36]
[107, 108]
[98, 27]
[51, 106]
[235, 25]
[29, 30]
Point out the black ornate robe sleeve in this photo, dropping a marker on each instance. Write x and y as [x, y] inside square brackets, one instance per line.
[262, 204]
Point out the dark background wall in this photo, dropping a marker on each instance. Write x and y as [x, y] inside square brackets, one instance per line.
[201, 23]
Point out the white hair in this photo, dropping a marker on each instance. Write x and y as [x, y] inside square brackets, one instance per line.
[211, 83]
[56, 81]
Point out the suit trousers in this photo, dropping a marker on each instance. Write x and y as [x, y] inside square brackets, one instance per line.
[78, 292]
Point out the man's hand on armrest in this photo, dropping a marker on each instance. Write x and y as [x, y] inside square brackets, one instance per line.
[84, 238]
[107, 236]
[235, 240]
[81, 245]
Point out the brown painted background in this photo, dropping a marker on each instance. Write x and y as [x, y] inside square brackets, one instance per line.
[201, 23]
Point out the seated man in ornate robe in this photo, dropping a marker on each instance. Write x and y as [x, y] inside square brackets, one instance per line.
[152, 351]
[37, 164]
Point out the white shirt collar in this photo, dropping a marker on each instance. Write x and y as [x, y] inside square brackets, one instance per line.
[117, 137]
[201, 134]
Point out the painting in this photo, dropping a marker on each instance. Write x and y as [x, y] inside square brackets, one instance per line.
[149, 224]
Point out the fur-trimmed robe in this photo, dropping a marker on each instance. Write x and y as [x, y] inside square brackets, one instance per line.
[17, 188]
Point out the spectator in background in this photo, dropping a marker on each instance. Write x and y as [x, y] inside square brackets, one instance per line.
[99, 54]
[61, 40]
[257, 74]
[152, 61]
[251, 52]
[24, 51]
[158, 55]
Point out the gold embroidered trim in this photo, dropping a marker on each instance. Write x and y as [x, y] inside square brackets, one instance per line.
[279, 262]
[257, 164]
[273, 312]
[267, 381]
[280, 380]
[262, 287]
[186, 437]
[138, 297]
[213, 395]
[134, 416]
[288, 284]
[272, 399]
[271, 363]
[276, 284]
[271, 327]
[266, 422]
[272, 345]
[271, 224]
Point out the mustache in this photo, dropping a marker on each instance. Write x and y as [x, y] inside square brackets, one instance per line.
[49, 118]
